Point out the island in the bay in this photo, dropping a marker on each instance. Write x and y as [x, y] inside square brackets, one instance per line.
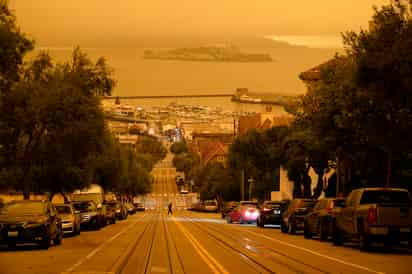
[207, 53]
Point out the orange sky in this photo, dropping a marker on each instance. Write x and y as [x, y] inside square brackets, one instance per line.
[50, 20]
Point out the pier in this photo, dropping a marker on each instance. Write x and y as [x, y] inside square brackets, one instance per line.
[169, 96]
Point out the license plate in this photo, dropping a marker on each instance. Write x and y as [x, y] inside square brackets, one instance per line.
[405, 230]
[276, 211]
[12, 233]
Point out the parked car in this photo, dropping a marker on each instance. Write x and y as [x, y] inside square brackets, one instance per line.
[270, 213]
[199, 206]
[227, 207]
[375, 215]
[119, 209]
[293, 217]
[30, 222]
[110, 214]
[320, 220]
[139, 206]
[70, 218]
[130, 208]
[245, 212]
[90, 215]
[210, 206]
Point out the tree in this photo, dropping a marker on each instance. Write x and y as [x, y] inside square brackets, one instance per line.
[186, 163]
[150, 145]
[52, 124]
[361, 107]
[179, 147]
[14, 45]
[215, 183]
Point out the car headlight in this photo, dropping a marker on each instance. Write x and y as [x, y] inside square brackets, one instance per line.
[33, 224]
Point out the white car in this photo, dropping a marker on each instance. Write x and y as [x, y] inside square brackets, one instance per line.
[210, 206]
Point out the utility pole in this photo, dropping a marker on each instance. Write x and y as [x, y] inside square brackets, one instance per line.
[242, 185]
[251, 182]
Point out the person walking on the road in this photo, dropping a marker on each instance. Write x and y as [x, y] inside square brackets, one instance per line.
[169, 209]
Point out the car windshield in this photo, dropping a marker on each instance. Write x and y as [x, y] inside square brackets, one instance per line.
[61, 209]
[249, 204]
[23, 209]
[210, 203]
[305, 204]
[84, 207]
[339, 203]
[385, 196]
[113, 205]
[273, 205]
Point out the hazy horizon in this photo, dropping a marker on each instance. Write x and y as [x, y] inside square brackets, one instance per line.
[97, 23]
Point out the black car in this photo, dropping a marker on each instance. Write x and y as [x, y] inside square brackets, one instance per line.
[30, 222]
[320, 220]
[294, 216]
[90, 215]
[270, 213]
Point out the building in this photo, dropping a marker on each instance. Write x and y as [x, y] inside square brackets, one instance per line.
[201, 140]
[262, 121]
[214, 152]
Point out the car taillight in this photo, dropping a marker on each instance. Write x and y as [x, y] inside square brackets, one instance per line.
[330, 207]
[372, 215]
[266, 209]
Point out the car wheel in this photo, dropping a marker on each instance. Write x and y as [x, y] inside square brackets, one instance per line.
[241, 220]
[11, 245]
[323, 234]
[306, 232]
[283, 228]
[364, 242]
[337, 237]
[45, 242]
[228, 219]
[291, 229]
[59, 238]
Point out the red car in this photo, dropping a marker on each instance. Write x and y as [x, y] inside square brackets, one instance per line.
[245, 212]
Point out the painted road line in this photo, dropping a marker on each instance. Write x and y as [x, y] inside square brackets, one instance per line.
[207, 258]
[315, 253]
[100, 247]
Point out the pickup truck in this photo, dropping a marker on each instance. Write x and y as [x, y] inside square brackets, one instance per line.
[375, 215]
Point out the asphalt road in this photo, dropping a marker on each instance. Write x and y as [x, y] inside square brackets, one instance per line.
[189, 242]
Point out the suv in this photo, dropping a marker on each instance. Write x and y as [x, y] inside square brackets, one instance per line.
[90, 215]
[30, 222]
[320, 220]
[293, 217]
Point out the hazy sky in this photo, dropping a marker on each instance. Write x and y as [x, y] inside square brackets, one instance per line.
[49, 21]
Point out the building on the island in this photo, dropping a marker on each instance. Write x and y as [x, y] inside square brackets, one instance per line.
[214, 152]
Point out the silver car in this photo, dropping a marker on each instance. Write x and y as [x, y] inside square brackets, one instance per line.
[70, 218]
